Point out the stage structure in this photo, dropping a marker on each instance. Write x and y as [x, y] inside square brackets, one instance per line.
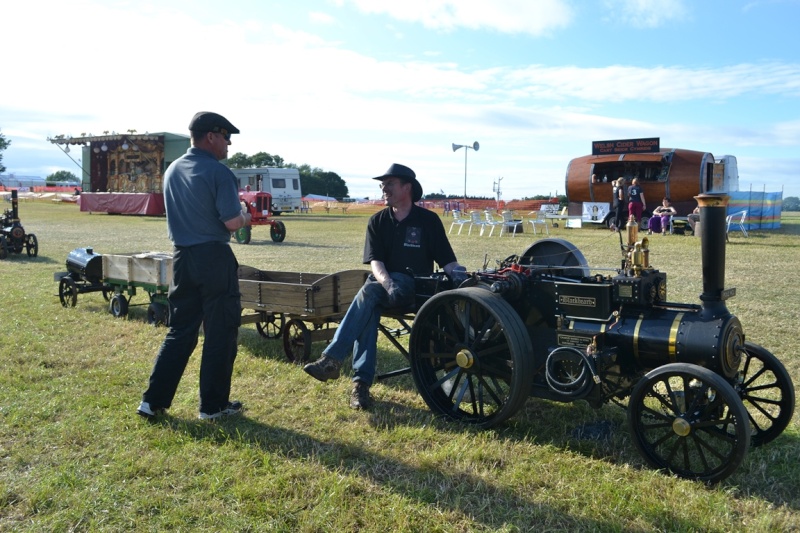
[124, 173]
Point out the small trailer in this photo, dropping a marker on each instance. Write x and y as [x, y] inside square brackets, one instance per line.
[301, 307]
[119, 277]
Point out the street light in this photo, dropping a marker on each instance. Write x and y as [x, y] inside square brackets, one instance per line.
[466, 148]
[496, 188]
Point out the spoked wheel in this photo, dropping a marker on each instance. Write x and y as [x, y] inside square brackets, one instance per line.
[243, 234]
[271, 325]
[67, 292]
[470, 356]
[118, 306]
[32, 245]
[767, 391]
[688, 420]
[297, 341]
[277, 231]
[157, 314]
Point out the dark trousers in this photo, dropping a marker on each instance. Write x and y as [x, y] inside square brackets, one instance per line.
[204, 290]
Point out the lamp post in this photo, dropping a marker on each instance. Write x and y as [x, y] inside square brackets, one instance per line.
[466, 148]
[496, 188]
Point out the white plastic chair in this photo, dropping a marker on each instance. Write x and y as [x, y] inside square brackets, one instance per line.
[509, 224]
[541, 220]
[476, 220]
[458, 220]
[491, 222]
[736, 219]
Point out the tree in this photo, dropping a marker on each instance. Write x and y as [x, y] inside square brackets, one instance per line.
[791, 203]
[62, 175]
[3, 145]
[239, 160]
[262, 159]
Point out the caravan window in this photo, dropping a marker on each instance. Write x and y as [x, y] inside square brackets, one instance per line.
[278, 183]
[295, 184]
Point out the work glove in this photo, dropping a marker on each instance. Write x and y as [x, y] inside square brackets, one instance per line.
[458, 275]
[397, 298]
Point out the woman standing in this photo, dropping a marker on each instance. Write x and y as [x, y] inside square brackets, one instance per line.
[636, 201]
[619, 200]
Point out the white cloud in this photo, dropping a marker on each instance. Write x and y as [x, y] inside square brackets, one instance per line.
[646, 13]
[505, 16]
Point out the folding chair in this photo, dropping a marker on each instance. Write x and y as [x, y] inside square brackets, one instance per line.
[459, 221]
[510, 224]
[736, 219]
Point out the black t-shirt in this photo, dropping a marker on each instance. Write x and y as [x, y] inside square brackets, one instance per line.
[415, 242]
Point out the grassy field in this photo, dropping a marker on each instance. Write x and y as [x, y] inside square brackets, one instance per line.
[75, 457]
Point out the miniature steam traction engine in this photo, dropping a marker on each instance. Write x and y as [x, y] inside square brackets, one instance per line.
[698, 394]
[12, 235]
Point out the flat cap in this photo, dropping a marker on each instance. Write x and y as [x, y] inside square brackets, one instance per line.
[205, 121]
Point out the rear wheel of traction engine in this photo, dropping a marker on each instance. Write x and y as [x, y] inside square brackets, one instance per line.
[32, 245]
[3, 247]
[297, 341]
[271, 325]
[118, 305]
[157, 314]
[688, 420]
[557, 253]
[277, 231]
[243, 234]
[767, 392]
[470, 356]
[67, 292]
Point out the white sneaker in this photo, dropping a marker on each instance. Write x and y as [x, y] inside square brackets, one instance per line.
[233, 408]
[148, 411]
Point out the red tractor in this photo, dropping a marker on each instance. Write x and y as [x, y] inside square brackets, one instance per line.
[259, 205]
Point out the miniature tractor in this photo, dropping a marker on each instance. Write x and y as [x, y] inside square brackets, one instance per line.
[259, 205]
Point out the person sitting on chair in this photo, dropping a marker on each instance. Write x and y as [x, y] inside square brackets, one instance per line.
[401, 239]
[694, 218]
[659, 222]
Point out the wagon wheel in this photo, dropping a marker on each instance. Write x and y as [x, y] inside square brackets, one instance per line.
[243, 234]
[118, 306]
[271, 326]
[767, 391]
[157, 314]
[3, 247]
[688, 420]
[32, 245]
[297, 341]
[470, 356]
[67, 292]
[277, 231]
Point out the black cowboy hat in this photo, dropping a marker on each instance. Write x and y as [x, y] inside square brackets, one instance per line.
[406, 174]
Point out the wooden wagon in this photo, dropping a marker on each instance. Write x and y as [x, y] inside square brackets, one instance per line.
[301, 307]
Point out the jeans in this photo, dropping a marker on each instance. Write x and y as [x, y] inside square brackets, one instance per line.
[205, 290]
[358, 331]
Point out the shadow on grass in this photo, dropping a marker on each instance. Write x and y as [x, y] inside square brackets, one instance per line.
[452, 488]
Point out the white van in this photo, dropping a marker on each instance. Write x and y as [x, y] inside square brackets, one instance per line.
[282, 183]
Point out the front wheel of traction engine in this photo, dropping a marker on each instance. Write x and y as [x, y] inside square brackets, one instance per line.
[118, 305]
[470, 356]
[277, 231]
[689, 421]
[767, 392]
[32, 245]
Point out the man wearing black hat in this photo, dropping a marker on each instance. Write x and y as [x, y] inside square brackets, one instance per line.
[202, 203]
[402, 240]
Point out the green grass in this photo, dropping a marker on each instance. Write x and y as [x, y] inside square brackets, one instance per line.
[74, 456]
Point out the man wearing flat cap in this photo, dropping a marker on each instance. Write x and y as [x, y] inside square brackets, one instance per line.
[201, 196]
[402, 241]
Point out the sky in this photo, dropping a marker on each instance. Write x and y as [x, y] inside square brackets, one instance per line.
[352, 86]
